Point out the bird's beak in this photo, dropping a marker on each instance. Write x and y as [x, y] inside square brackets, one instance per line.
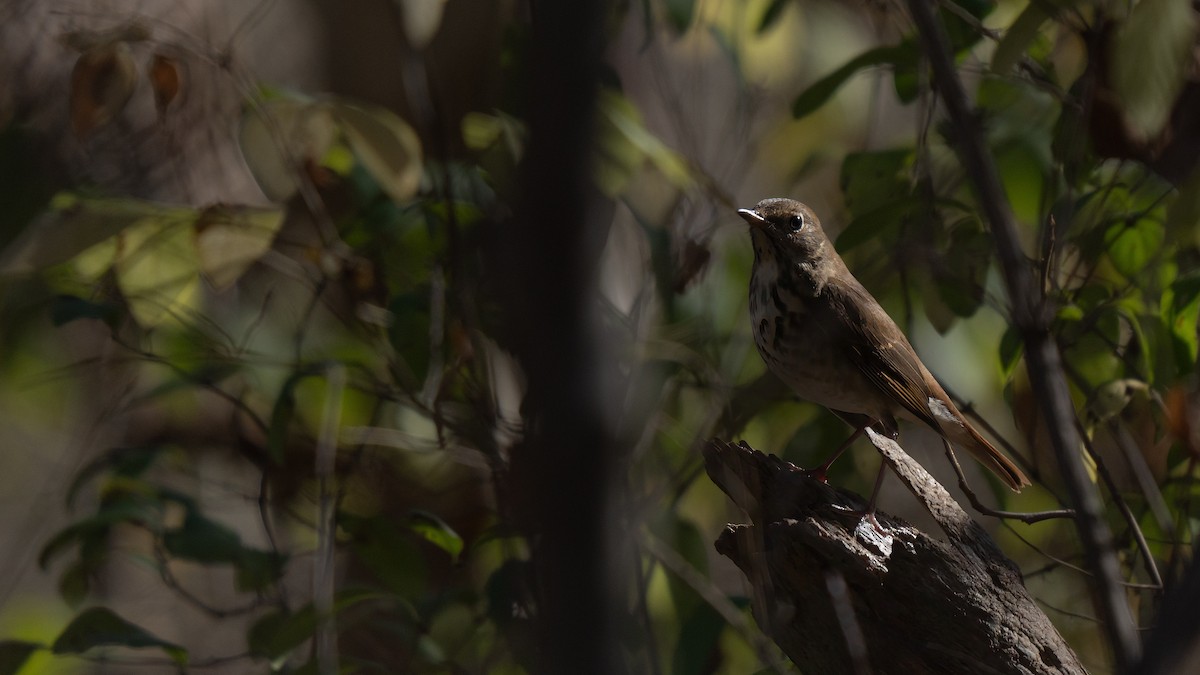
[752, 218]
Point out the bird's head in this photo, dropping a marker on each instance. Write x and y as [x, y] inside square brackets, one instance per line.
[789, 227]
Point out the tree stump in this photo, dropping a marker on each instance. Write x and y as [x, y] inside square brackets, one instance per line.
[839, 596]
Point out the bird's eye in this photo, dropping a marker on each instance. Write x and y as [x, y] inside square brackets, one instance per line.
[796, 222]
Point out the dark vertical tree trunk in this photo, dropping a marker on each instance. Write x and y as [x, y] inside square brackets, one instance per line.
[561, 474]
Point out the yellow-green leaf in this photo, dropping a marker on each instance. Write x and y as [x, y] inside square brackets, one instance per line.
[157, 270]
[278, 136]
[230, 239]
[385, 145]
[75, 224]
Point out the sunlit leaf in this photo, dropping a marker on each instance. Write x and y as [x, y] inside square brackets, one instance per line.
[74, 224]
[902, 55]
[157, 270]
[1131, 246]
[625, 144]
[14, 654]
[421, 20]
[386, 145]
[230, 239]
[480, 131]
[100, 626]
[437, 532]
[771, 15]
[1023, 31]
[1151, 54]
[279, 137]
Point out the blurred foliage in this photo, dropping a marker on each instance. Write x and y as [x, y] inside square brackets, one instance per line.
[374, 260]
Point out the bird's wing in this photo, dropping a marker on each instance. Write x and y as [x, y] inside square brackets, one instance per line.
[878, 346]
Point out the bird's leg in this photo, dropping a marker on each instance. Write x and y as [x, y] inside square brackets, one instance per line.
[870, 510]
[821, 472]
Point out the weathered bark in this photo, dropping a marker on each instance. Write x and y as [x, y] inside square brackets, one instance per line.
[839, 596]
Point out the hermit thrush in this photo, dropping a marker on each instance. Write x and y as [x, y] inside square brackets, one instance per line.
[823, 334]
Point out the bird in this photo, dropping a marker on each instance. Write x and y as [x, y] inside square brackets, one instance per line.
[820, 331]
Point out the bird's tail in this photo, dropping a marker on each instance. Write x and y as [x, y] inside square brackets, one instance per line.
[967, 437]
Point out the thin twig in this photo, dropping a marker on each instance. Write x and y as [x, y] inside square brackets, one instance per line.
[708, 591]
[1123, 507]
[324, 581]
[1027, 518]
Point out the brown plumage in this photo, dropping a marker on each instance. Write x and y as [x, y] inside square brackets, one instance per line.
[823, 334]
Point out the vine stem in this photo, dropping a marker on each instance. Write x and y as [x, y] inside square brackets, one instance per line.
[324, 582]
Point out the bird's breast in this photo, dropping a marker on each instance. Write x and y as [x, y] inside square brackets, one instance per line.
[798, 345]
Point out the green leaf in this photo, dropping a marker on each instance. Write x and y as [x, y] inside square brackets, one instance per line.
[685, 539]
[258, 570]
[1183, 216]
[1132, 246]
[679, 14]
[1182, 314]
[962, 271]
[280, 135]
[388, 552]
[437, 532]
[282, 414]
[881, 221]
[96, 526]
[100, 626]
[385, 145]
[1011, 348]
[625, 145]
[68, 308]
[279, 632]
[1151, 56]
[1018, 37]
[14, 654]
[203, 541]
[699, 643]
[507, 591]
[74, 224]
[900, 56]
[871, 180]
[229, 239]
[123, 462]
[771, 15]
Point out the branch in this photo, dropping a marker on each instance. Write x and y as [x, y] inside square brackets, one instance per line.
[1043, 360]
[837, 596]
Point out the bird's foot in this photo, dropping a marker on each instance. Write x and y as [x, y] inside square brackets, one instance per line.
[820, 473]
